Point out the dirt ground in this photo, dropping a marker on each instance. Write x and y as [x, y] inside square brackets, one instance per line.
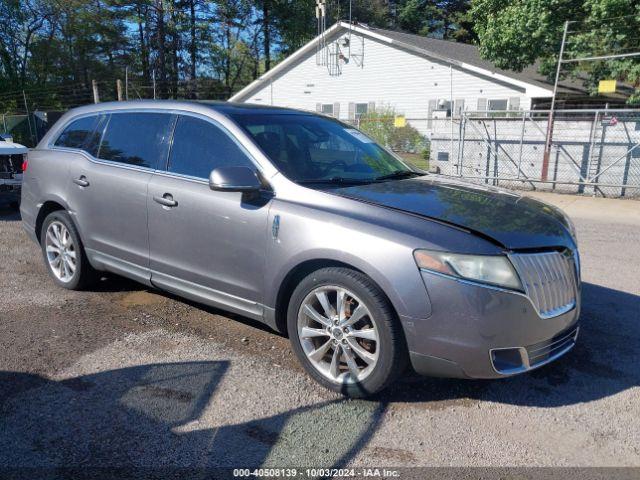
[124, 376]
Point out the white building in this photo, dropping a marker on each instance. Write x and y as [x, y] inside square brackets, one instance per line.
[354, 68]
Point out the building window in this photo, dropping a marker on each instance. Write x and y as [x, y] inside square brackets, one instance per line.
[361, 109]
[327, 108]
[499, 104]
[444, 106]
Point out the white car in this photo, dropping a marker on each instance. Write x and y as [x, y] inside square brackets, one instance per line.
[12, 157]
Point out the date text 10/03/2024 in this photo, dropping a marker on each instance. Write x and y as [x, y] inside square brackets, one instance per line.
[316, 472]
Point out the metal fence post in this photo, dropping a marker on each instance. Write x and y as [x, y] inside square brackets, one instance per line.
[592, 140]
[524, 119]
[461, 132]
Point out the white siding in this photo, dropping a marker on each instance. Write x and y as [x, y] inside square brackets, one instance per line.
[390, 77]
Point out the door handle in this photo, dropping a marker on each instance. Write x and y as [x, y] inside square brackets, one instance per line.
[166, 200]
[82, 181]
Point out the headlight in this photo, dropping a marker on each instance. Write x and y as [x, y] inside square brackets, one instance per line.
[491, 269]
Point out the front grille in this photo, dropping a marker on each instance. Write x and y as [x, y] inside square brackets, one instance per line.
[544, 351]
[550, 280]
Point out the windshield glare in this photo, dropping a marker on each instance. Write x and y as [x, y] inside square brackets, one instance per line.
[308, 148]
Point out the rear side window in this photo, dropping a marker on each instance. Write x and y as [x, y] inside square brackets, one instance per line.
[77, 133]
[199, 147]
[138, 139]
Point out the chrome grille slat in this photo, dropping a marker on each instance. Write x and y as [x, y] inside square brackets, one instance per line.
[533, 359]
[551, 344]
[549, 291]
[559, 294]
[560, 265]
[549, 280]
[554, 346]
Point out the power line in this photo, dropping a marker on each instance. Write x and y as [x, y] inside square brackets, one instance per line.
[602, 57]
[606, 19]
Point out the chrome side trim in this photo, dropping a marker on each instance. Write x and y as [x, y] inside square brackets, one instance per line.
[102, 261]
[208, 296]
[170, 111]
[183, 288]
[474, 283]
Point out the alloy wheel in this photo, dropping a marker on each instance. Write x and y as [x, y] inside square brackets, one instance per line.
[338, 334]
[61, 251]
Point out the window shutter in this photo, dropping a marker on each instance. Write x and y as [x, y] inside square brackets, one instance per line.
[352, 111]
[458, 107]
[318, 107]
[482, 104]
[371, 107]
[336, 109]
[514, 103]
[431, 108]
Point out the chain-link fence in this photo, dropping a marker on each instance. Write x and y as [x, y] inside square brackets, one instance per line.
[592, 152]
[28, 129]
[595, 152]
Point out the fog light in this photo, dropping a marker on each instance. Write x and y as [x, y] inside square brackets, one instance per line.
[508, 361]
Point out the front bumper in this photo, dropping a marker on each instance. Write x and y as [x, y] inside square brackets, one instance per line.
[480, 332]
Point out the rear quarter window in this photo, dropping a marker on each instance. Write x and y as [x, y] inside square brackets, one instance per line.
[77, 133]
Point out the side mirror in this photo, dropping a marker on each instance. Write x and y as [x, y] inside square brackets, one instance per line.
[234, 179]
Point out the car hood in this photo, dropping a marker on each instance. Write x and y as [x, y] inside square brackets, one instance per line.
[509, 219]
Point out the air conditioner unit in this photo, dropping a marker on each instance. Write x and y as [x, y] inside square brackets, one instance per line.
[440, 114]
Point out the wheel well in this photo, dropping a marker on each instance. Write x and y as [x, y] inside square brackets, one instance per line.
[292, 280]
[45, 209]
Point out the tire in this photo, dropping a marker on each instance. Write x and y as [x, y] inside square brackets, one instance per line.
[368, 354]
[72, 250]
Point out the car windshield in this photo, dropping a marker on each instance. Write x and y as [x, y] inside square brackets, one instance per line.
[312, 149]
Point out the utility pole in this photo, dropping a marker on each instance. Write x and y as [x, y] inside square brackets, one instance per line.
[96, 94]
[549, 140]
[126, 83]
[119, 89]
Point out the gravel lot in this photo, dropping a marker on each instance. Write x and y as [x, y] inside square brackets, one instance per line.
[123, 376]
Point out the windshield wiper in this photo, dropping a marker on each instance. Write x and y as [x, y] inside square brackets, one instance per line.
[335, 181]
[398, 174]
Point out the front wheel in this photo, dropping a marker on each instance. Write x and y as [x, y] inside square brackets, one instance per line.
[345, 333]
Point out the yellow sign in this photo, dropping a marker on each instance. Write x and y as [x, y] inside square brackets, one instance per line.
[607, 86]
[400, 121]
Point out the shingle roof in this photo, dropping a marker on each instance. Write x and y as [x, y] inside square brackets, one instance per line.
[445, 50]
[468, 54]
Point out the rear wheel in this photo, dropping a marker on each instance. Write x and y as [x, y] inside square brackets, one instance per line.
[345, 332]
[63, 252]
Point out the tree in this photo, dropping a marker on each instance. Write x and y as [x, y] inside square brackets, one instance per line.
[514, 35]
[448, 19]
[233, 43]
[21, 20]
